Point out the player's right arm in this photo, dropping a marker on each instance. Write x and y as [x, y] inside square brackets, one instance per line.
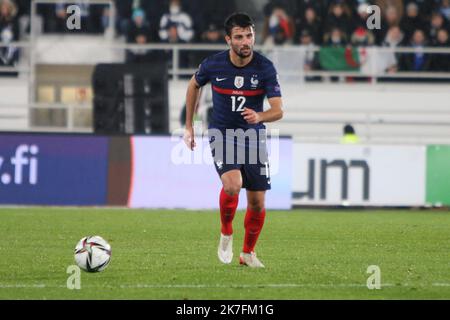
[198, 80]
[192, 96]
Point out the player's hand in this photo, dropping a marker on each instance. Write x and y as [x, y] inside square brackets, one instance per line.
[251, 116]
[189, 138]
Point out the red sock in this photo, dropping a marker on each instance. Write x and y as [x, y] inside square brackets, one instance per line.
[253, 224]
[228, 205]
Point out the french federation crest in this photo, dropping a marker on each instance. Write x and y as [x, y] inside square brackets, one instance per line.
[254, 82]
[239, 82]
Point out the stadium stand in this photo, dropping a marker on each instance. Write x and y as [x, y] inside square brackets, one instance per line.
[320, 48]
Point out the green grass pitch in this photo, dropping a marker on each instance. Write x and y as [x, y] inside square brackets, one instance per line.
[157, 254]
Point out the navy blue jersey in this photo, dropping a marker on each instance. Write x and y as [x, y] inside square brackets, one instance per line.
[235, 88]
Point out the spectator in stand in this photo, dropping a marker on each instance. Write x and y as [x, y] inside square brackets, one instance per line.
[360, 19]
[154, 9]
[124, 10]
[9, 32]
[311, 23]
[444, 8]
[23, 7]
[394, 37]
[339, 16]
[385, 4]
[426, 7]
[138, 33]
[311, 58]
[56, 18]
[336, 37]
[362, 37]
[417, 61]
[390, 60]
[412, 20]
[437, 23]
[139, 27]
[349, 135]
[301, 7]
[280, 27]
[350, 6]
[176, 25]
[206, 13]
[212, 35]
[441, 61]
[287, 5]
[443, 39]
[8, 19]
[23, 14]
[391, 18]
[102, 17]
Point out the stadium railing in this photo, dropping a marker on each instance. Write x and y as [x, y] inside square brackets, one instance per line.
[26, 68]
[27, 71]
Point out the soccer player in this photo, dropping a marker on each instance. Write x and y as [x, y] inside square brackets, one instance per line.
[240, 79]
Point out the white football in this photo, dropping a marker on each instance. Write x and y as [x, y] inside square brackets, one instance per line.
[93, 254]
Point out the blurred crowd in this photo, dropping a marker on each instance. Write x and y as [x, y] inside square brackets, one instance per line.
[341, 23]
[406, 23]
[157, 20]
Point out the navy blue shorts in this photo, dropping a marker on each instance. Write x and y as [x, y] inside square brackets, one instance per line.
[247, 153]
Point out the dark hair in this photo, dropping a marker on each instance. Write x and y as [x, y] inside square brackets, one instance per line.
[238, 19]
[348, 129]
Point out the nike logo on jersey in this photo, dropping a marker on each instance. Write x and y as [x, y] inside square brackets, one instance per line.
[220, 79]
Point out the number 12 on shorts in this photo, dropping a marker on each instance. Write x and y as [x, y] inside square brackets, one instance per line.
[267, 171]
[239, 102]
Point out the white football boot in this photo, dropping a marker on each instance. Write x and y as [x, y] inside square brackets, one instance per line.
[250, 259]
[225, 250]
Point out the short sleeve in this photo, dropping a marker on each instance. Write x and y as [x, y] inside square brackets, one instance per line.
[273, 88]
[202, 74]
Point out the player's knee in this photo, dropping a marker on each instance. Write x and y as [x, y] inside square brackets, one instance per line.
[232, 188]
[256, 205]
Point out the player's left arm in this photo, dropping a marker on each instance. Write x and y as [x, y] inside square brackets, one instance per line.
[275, 112]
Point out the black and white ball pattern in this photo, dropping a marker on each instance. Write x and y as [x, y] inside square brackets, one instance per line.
[93, 254]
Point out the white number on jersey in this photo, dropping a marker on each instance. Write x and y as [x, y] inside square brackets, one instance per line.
[241, 100]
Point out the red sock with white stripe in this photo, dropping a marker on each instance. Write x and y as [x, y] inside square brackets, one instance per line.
[253, 224]
[228, 205]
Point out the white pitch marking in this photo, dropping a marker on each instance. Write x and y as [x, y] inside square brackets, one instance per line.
[441, 284]
[231, 286]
